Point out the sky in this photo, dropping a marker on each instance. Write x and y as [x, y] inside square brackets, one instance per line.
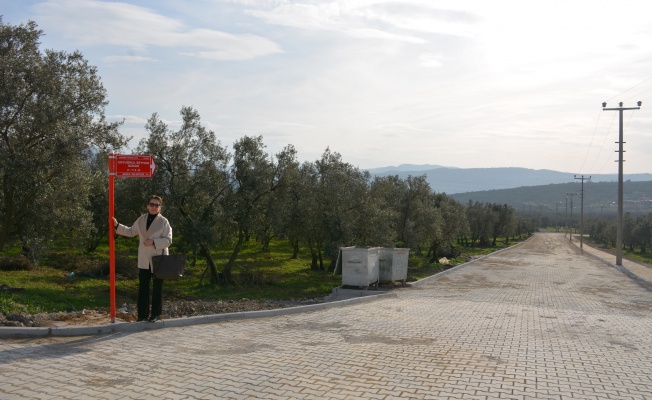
[467, 84]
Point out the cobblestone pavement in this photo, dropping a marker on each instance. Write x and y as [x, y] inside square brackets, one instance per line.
[538, 321]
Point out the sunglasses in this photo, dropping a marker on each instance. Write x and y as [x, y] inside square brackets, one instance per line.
[154, 204]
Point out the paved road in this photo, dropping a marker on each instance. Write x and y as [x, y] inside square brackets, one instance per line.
[539, 321]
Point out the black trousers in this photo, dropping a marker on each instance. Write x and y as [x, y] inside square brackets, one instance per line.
[144, 276]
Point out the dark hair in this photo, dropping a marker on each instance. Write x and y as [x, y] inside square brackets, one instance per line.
[160, 200]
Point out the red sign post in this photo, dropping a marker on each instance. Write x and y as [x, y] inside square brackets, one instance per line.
[133, 166]
[123, 166]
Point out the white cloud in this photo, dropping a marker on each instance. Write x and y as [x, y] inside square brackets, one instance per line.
[128, 119]
[419, 16]
[426, 16]
[129, 58]
[229, 46]
[393, 128]
[97, 22]
[431, 60]
[470, 83]
[257, 3]
[139, 28]
[331, 17]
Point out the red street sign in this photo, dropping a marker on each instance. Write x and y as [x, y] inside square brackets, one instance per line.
[134, 166]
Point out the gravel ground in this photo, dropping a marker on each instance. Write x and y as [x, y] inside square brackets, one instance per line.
[127, 312]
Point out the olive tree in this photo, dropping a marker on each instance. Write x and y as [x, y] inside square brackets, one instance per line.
[481, 219]
[295, 196]
[642, 231]
[275, 217]
[255, 176]
[453, 225]
[51, 119]
[341, 193]
[305, 222]
[420, 220]
[504, 222]
[193, 179]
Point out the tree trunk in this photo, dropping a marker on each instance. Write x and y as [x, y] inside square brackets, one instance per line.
[435, 246]
[211, 263]
[321, 262]
[9, 227]
[313, 254]
[228, 278]
[295, 249]
[266, 239]
[207, 253]
[321, 259]
[314, 264]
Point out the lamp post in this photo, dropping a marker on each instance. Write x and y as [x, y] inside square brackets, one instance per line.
[619, 223]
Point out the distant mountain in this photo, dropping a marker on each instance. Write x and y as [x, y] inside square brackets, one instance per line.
[405, 168]
[460, 180]
[599, 197]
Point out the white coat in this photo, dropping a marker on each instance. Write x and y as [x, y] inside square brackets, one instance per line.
[159, 231]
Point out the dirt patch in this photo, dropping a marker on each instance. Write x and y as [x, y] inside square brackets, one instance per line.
[128, 313]
[478, 281]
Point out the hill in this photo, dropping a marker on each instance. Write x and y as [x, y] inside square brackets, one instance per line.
[460, 180]
[599, 197]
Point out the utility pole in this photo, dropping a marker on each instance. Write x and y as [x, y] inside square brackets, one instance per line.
[566, 212]
[619, 224]
[582, 211]
[570, 235]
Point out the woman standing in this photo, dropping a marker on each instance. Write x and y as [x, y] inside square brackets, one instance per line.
[155, 235]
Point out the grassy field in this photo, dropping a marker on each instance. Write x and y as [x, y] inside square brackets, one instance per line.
[50, 287]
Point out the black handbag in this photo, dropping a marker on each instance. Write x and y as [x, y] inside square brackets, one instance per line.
[169, 266]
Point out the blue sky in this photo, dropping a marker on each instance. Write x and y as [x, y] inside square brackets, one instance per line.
[469, 84]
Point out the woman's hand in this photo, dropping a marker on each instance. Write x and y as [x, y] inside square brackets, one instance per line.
[115, 222]
[148, 242]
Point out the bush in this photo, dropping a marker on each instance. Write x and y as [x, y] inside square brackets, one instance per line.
[79, 264]
[251, 276]
[15, 263]
[124, 266]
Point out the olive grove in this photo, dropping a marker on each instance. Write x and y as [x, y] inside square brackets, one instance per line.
[54, 146]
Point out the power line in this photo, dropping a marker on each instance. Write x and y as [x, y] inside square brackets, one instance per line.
[604, 141]
[595, 129]
[638, 84]
[638, 95]
[597, 157]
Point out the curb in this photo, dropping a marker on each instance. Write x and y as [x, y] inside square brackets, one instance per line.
[646, 283]
[130, 327]
[466, 264]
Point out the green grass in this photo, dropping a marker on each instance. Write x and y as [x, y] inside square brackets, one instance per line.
[635, 255]
[260, 276]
